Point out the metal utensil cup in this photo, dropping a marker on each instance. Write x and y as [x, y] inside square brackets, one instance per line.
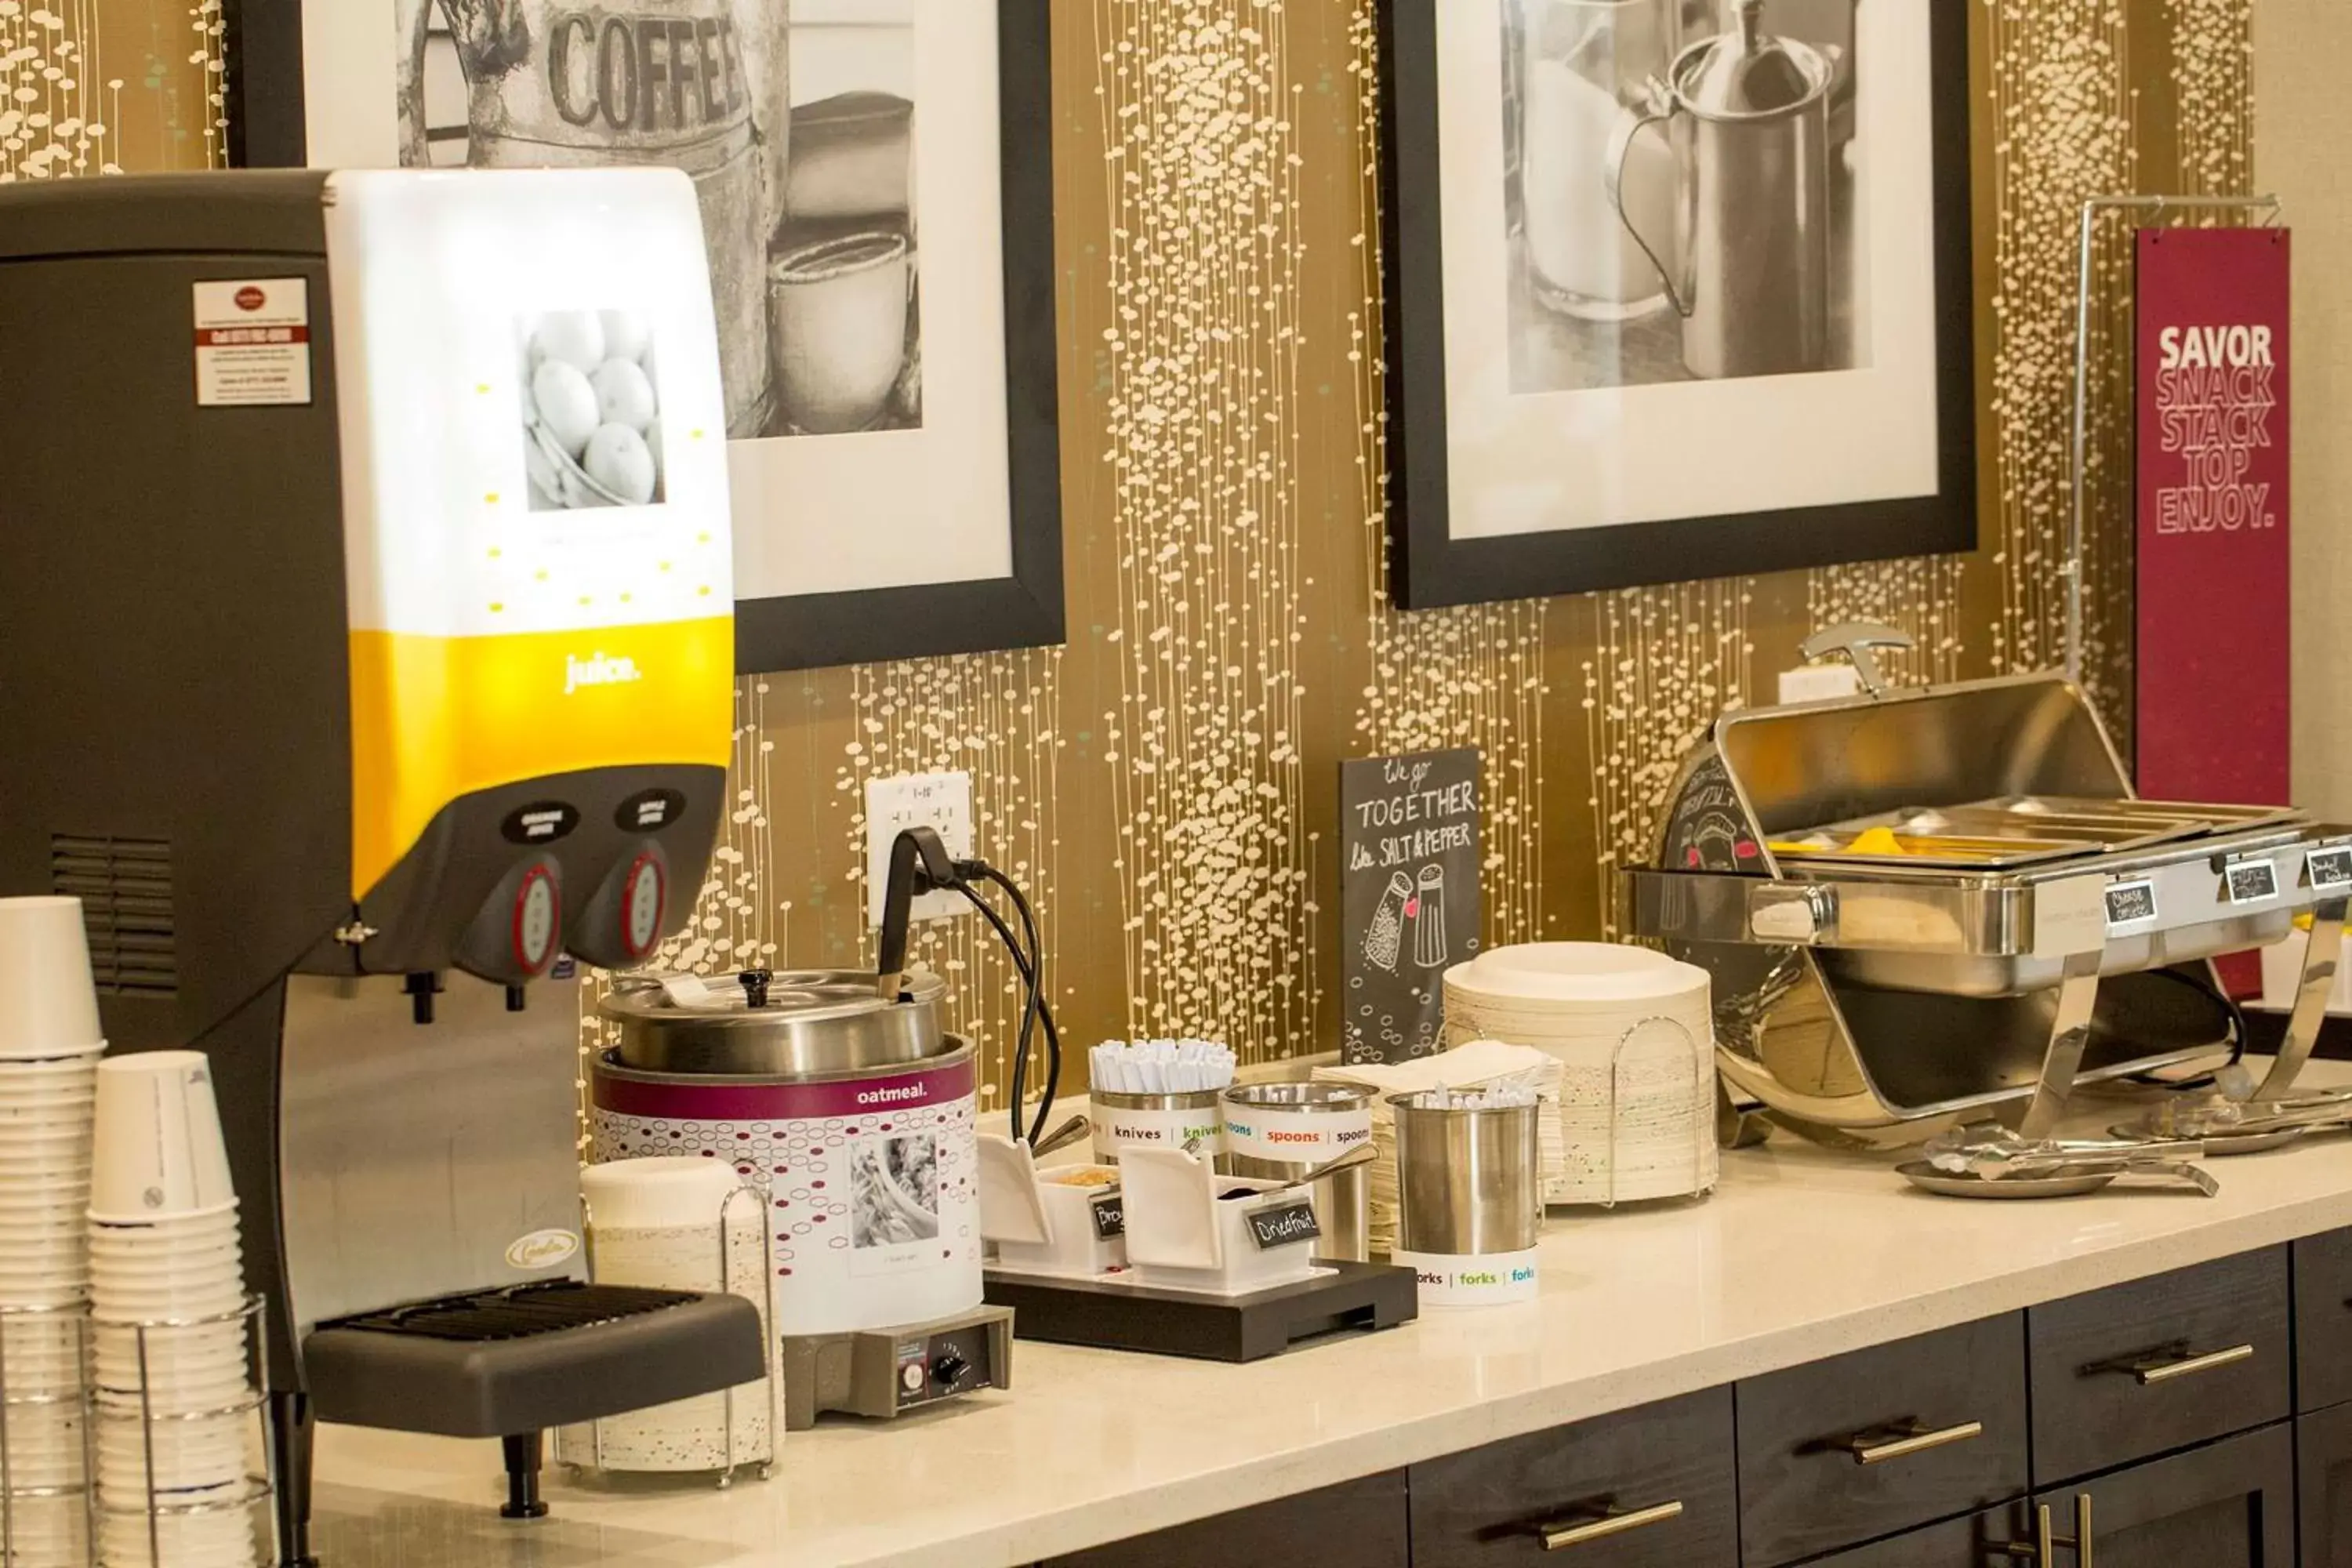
[1468, 1179]
[1193, 1119]
[1312, 1124]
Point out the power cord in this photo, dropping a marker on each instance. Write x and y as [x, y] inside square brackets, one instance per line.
[921, 864]
[2238, 1032]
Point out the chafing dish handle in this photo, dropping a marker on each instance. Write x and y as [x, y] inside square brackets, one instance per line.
[1855, 639]
[1600, 1523]
[1800, 914]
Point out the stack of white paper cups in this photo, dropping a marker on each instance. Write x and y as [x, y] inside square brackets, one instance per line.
[49, 1049]
[173, 1398]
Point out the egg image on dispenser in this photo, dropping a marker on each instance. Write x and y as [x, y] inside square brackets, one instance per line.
[575, 337]
[568, 405]
[619, 460]
[591, 410]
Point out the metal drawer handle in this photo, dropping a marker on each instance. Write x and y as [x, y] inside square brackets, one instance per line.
[1600, 1523]
[1903, 1438]
[2042, 1550]
[2174, 1361]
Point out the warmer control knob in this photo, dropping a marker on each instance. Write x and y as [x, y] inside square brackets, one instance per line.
[911, 1377]
[948, 1368]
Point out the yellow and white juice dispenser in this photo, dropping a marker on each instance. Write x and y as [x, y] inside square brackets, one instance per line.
[366, 662]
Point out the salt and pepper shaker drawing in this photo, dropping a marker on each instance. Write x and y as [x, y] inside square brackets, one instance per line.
[1384, 939]
[1427, 911]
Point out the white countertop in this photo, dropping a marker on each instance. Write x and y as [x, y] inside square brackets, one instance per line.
[1800, 1254]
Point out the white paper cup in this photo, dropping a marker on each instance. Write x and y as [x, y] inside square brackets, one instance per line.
[172, 1231]
[187, 1456]
[220, 1540]
[48, 1004]
[45, 1447]
[160, 1151]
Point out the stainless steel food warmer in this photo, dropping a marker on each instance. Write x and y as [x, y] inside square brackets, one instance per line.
[1923, 906]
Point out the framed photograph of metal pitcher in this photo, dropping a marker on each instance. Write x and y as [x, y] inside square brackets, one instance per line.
[875, 179]
[1675, 289]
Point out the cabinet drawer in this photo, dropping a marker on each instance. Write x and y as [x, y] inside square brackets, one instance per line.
[2159, 1364]
[1880, 1440]
[2322, 1320]
[1354, 1522]
[1667, 1465]
[1969, 1543]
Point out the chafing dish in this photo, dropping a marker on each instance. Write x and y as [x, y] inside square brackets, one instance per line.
[1921, 906]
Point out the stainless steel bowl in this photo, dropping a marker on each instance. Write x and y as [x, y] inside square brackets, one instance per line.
[807, 1023]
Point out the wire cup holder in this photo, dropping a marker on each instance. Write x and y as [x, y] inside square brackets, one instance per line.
[758, 1291]
[1702, 1103]
[154, 1504]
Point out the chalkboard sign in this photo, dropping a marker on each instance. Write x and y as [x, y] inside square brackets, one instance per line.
[1281, 1227]
[1109, 1216]
[1409, 897]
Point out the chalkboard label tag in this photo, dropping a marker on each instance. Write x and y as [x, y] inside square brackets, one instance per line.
[2130, 903]
[2330, 868]
[1109, 1216]
[2250, 881]
[1281, 1225]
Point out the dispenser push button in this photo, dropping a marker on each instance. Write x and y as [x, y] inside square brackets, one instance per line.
[641, 906]
[538, 920]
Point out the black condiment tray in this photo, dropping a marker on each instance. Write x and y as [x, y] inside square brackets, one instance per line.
[1108, 1314]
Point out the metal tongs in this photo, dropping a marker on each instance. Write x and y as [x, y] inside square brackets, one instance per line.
[1994, 1153]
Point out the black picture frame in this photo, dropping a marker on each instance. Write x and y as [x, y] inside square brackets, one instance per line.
[265, 108]
[1429, 568]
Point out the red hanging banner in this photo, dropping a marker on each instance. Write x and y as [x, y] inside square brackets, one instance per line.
[2212, 656]
[2212, 664]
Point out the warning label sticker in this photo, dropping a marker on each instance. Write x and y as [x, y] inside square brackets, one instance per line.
[253, 342]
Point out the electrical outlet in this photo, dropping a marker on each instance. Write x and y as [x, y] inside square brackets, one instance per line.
[937, 801]
[1819, 683]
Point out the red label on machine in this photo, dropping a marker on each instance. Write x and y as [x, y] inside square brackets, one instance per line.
[253, 342]
[2213, 657]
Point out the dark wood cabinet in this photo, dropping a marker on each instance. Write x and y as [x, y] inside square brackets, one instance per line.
[1971, 1542]
[2159, 1364]
[2229, 1504]
[1881, 1439]
[2197, 1419]
[1651, 1488]
[2323, 1443]
[1359, 1523]
[2322, 1320]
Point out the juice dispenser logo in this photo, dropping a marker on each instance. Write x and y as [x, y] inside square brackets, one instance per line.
[596, 670]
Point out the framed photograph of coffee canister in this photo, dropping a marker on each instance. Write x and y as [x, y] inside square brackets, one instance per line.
[875, 180]
[1675, 289]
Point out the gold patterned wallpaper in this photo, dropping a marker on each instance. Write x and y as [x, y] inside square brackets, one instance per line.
[1165, 784]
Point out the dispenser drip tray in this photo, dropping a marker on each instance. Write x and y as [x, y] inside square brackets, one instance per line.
[490, 1363]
